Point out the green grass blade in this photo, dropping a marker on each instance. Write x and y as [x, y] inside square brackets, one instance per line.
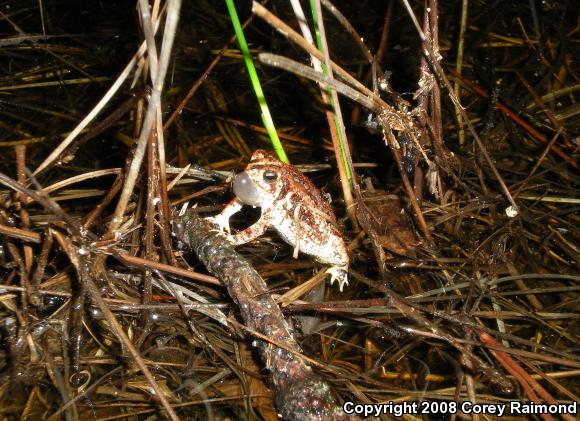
[266, 116]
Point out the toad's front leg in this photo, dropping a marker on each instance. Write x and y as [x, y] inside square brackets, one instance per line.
[223, 218]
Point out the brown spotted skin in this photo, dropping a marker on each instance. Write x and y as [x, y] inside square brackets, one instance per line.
[296, 209]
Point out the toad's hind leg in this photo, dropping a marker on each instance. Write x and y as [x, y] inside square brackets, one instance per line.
[340, 274]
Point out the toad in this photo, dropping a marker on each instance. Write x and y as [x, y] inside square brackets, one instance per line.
[293, 206]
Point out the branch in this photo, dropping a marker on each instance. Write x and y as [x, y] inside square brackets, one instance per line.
[300, 392]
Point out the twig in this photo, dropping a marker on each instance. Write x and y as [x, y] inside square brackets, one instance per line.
[151, 114]
[459, 66]
[512, 115]
[92, 114]
[337, 129]
[202, 78]
[95, 295]
[433, 58]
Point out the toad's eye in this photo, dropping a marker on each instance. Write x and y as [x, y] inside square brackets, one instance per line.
[270, 176]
